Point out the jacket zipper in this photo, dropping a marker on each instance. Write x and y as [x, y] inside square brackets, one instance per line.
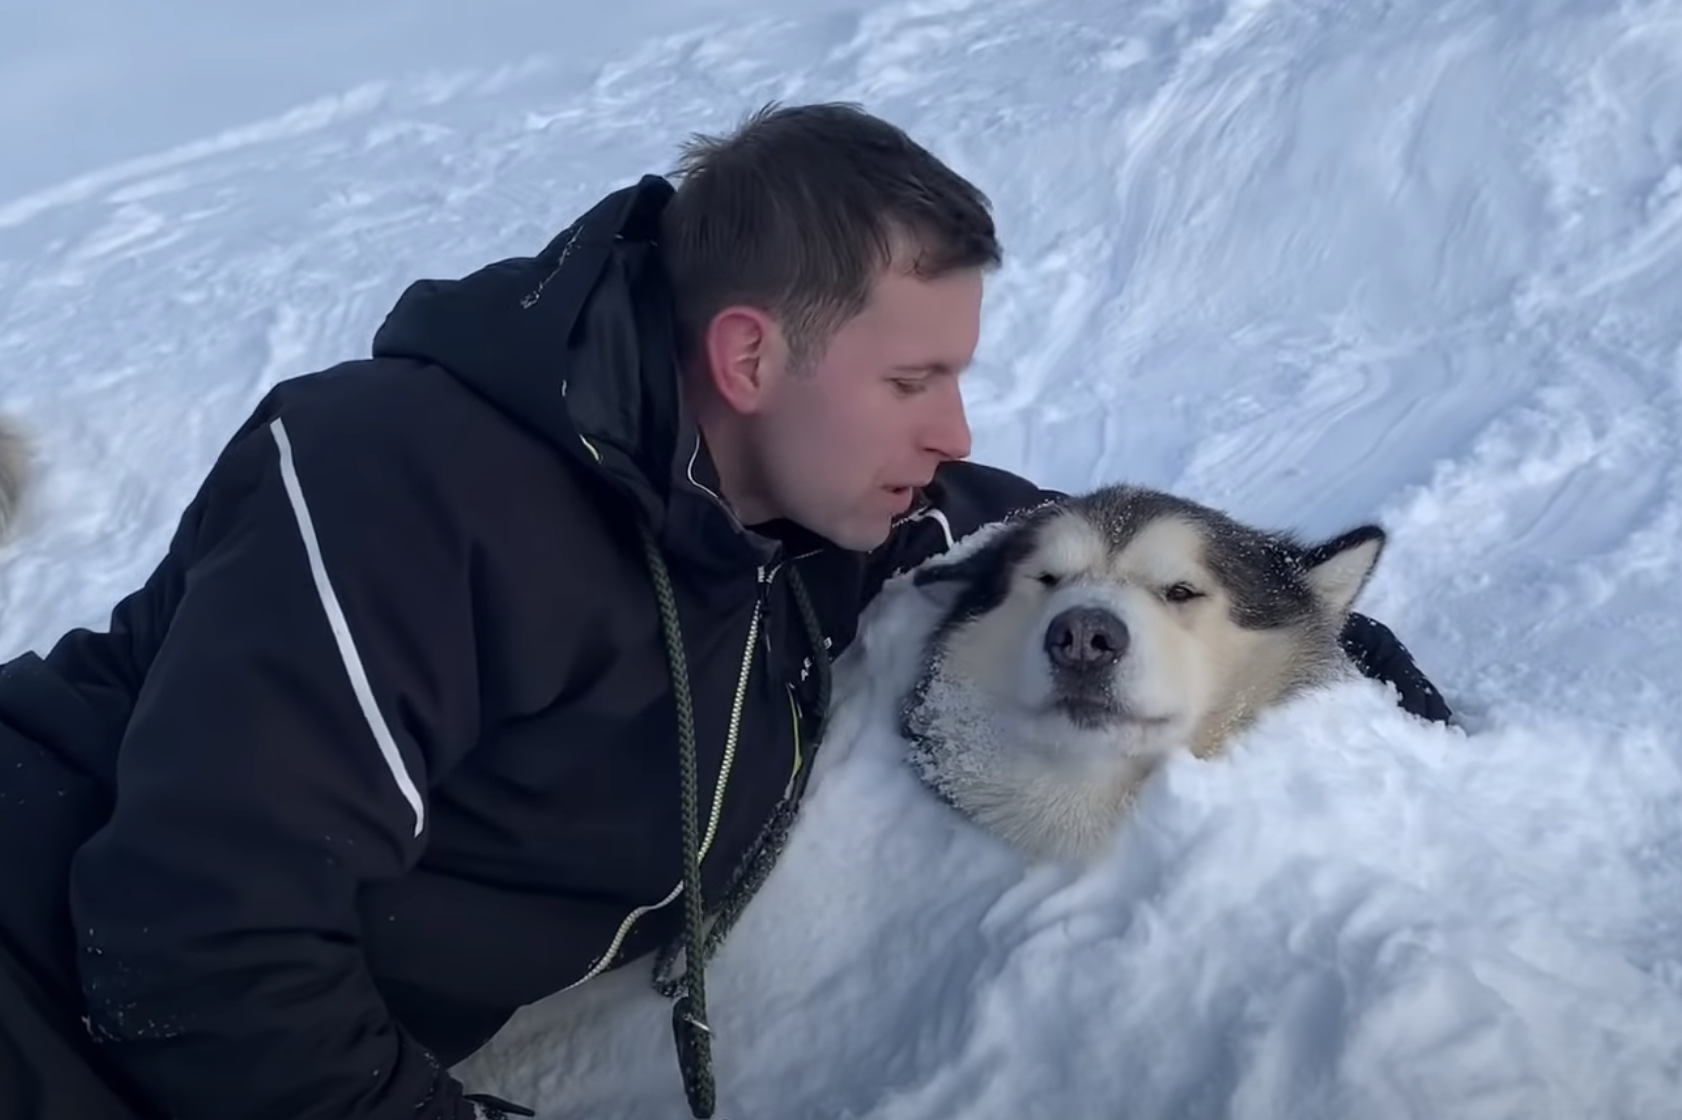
[765, 578]
[755, 627]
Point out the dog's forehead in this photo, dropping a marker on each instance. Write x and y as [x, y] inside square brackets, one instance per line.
[1164, 548]
[1070, 542]
[1132, 534]
[1159, 545]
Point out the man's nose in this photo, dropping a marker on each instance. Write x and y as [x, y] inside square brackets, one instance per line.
[948, 433]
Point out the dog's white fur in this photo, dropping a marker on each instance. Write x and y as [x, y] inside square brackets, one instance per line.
[989, 732]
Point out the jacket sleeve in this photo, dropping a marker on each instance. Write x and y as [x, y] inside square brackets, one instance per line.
[1380, 655]
[317, 672]
[964, 497]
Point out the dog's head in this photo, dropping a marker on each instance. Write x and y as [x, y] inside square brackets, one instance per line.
[1100, 633]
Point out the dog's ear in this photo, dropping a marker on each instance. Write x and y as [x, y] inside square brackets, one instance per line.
[1339, 568]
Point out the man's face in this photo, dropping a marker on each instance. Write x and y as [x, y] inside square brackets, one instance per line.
[840, 446]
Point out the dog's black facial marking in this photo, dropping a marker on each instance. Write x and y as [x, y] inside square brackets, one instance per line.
[1120, 512]
[1262, 574]
[1266, 573]
[982, 579]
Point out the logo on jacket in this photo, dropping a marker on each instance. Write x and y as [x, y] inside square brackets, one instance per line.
[806, 663]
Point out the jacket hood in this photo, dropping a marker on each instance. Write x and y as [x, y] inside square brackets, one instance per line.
[578, 345]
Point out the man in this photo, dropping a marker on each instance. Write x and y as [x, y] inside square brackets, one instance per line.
[477, 667]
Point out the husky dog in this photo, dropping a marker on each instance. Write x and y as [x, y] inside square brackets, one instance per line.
[1090, 638]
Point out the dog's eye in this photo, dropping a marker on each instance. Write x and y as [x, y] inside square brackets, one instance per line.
[1181, 593]
[1046, 579]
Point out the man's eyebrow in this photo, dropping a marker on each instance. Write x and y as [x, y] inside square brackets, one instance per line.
[935, 367]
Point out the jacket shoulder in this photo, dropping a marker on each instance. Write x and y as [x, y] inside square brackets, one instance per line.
[977, 494]
[457, 481]
[410, 425]
[374, 406]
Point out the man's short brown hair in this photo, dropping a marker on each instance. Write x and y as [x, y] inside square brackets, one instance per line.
[801, 209]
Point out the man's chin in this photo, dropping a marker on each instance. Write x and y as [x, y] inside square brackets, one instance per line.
[864, 527]
[863, 540]
[862, 533]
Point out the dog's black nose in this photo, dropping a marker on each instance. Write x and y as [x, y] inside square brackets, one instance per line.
[1082, 638]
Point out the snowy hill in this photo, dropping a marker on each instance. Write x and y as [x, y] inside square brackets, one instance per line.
[1308, 261]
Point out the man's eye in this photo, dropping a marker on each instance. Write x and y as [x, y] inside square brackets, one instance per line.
[907, 388]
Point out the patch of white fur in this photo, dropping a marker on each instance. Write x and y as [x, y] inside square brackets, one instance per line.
[1038, 782]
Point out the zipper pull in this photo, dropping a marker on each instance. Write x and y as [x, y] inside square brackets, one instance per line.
[765, 610]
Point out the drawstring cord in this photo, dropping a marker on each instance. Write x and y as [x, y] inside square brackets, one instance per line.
[690, 1029]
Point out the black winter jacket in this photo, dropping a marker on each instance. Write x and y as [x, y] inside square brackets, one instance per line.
[384, 748]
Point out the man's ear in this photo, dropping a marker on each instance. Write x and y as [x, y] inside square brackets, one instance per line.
[744, 349]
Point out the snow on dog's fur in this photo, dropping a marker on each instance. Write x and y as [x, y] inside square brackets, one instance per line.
[1085, 643]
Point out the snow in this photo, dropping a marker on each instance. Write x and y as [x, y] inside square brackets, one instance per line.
[1311, 262]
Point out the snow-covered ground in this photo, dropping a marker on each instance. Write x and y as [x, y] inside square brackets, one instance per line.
[1311, 261]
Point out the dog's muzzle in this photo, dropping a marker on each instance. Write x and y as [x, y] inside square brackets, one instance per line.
[1083, 645]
